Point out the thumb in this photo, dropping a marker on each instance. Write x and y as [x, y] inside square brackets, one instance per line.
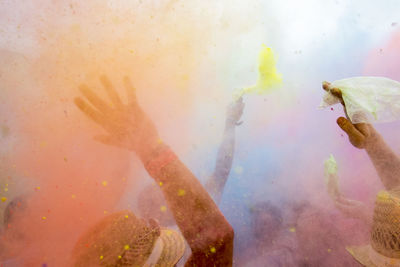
[355, 136]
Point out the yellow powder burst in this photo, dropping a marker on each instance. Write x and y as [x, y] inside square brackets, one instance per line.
[213, 250]
[268, 77]
[3, 199]
[104, 183]
[73, 196]
[161, 183]
[101, 257]
[181, 192]
[292, 229]
[44, 217]
[126, 247]
[163, 208]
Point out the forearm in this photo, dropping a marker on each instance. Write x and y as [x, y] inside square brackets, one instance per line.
[216, 183]
[386, 162]
[202, 224]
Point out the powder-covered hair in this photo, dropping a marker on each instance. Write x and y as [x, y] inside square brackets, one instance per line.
[18, 204]
[267, 207]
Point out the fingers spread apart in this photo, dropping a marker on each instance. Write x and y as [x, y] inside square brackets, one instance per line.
[89, 111]
[96, 101]
[130, 91]
[110, 91]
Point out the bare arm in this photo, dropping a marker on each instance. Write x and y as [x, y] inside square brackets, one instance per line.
[204, 227]
[364, 136]
[386, 162]
[215, 185]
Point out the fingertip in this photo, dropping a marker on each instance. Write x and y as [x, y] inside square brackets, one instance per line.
[325, 85]
[104, 80]
[83, 88]
[127, 82]
[341, 121]
[78, 101]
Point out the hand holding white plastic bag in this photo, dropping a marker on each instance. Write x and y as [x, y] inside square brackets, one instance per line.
[367, 99]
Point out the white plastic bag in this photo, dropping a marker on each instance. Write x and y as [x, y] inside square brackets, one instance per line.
[367, 99]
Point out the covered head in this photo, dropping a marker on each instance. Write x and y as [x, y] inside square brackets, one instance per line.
[121, 239]
[14, 209]
[384, 247]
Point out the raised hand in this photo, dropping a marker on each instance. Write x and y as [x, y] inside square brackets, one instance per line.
[199, 219]
[359, 134]
[364, 136]
[127, 125]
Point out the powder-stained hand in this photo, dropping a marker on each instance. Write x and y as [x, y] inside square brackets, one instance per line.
[127, 125]
[359, 134]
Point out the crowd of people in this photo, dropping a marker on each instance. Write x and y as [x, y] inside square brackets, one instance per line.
[191, 230]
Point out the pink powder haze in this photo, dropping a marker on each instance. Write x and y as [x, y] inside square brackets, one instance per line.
[185, 59]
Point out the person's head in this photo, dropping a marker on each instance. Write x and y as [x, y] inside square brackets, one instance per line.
[317, 236]
[152, 206]
[14, 239]
[122, 239]
[266, 222]
[14, 209]
[384, 246]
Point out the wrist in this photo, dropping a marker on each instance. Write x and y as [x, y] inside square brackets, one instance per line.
[160, 157]
[229, 123]
[147, 150]
[373, 140]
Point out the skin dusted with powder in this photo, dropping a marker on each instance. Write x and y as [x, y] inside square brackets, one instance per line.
[207, 232]
[364, 136]
[215, 185]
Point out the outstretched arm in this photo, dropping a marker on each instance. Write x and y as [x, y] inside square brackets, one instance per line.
[364, 136]
[216, 183]
[349, 207]
[204, 227]
[386, 162]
